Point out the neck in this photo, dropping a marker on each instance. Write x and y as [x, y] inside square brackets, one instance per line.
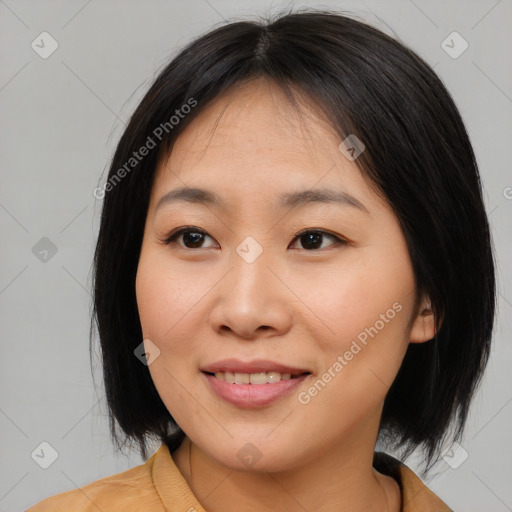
[343, 475]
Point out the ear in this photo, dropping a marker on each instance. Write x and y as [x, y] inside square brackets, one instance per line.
[423, 327]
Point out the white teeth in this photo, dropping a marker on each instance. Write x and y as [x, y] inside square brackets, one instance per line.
[258, 378]
[242, 378]
[253, 378]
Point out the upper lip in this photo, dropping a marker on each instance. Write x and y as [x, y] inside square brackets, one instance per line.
[255, 366]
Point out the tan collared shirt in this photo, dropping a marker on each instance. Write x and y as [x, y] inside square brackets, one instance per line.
[158, 486]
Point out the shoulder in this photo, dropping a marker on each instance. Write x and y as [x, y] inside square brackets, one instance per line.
[416, 496]
[131, 490]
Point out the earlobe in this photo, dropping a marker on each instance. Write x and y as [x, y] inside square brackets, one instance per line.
[424, 326]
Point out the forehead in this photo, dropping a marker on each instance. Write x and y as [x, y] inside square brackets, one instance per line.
[256, 116]
[252, 135]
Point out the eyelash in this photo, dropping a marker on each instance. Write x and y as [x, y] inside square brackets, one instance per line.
[172, 238]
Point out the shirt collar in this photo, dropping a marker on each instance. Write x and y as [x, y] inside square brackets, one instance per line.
[176, 495]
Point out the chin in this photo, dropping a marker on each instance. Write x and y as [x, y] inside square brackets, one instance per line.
[256, 456]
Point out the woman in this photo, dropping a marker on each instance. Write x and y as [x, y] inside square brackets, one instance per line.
[294, 261]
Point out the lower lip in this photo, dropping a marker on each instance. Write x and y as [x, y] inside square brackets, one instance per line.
[253, 395]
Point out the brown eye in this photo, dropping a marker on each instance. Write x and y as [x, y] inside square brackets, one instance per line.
[312, 239]
[192, 238]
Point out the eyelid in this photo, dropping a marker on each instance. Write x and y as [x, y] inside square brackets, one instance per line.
[321, 230]
[176, 233]
[338, 239]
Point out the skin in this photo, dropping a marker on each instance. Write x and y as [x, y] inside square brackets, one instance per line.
[294, 304]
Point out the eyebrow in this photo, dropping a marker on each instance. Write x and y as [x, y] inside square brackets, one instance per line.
[287, 200]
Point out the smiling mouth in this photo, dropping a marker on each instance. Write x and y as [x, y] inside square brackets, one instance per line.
[258, 378]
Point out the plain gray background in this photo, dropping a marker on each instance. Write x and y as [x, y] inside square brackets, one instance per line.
[61, 118]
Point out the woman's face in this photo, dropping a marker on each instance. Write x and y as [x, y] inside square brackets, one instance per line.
[336, 302]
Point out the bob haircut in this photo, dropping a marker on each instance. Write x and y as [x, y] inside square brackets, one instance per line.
[418, 157]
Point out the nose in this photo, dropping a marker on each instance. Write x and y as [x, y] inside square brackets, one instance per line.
[253, 300]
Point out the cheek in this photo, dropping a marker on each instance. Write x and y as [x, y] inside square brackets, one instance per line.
[165, 296]
[352, 295]
[364, 306]
[170, 302]
[165, 305]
